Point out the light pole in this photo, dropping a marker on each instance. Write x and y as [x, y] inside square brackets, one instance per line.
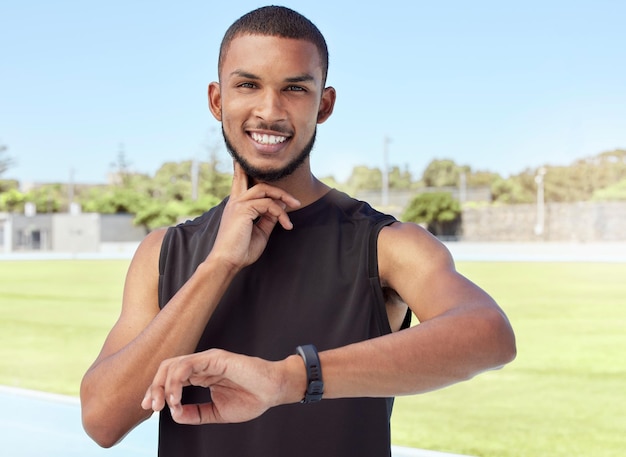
[195, 169]
[539, 227]
[462, 187]
[385, 189]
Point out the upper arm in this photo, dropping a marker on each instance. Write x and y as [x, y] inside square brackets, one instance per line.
[140, 298]
[421, 270]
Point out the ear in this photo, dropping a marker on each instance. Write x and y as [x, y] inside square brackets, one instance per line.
[327, 104]
[215, 100]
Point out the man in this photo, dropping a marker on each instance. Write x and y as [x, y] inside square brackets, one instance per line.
[214, 309]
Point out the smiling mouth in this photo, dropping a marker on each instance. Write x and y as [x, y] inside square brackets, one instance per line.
[265, 139]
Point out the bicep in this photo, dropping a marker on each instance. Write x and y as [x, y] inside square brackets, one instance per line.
[421, 270]
[140, 297]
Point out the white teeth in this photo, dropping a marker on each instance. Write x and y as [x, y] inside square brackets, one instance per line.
[268, 139]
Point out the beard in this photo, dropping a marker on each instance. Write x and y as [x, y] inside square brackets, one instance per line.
[271, 175]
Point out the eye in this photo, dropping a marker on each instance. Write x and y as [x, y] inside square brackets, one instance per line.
[247, 85]
[295, 89]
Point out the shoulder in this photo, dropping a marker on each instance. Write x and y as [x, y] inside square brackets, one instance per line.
[346, 203]
[406, 248]
[142, 278]
[151, 244]
[355, 210]
[206, 222]
[398, 237]
[146, 258]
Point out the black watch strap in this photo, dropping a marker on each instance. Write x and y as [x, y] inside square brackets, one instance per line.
[314, 381]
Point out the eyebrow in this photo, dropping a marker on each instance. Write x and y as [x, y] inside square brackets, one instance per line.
[293, 79]
[300, 79]
[244, 74]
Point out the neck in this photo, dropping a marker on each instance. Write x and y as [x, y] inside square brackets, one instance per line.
[302, 185]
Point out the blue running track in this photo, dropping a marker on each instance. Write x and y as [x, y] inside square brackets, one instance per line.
[35, 424]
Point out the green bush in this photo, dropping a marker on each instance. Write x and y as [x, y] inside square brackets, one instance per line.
[438, 210]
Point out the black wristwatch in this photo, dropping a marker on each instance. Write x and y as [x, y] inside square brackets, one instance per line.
[314, 381]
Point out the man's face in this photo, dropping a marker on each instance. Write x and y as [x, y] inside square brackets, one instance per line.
[270, 100]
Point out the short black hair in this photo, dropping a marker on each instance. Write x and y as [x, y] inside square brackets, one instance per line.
[276, 21]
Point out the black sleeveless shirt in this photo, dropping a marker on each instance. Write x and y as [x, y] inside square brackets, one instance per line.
[317, 283]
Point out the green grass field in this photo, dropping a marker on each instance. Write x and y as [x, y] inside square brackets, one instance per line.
[564, 395]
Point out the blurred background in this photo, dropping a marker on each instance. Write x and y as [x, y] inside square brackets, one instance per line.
[517, 112]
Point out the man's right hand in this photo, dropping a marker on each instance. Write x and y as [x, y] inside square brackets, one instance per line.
[248, 220]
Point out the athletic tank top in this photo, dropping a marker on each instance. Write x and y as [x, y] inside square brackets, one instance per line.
[317, 283]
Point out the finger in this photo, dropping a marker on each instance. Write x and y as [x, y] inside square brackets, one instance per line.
[155, 395]
[195, 369]
[266, 191]
[285, 221]
[196, 414]
[187, 414]
[177, 377]
[146, 402]
[274, 212]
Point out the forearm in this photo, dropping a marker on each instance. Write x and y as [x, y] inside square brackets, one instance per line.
[450, 348]
[114, 386]
[446, 349]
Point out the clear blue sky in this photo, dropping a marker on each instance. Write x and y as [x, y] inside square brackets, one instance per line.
[495, 85]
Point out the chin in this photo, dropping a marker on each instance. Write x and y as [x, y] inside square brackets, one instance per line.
[269, 174]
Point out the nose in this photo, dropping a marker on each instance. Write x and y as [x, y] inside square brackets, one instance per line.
[270, 107]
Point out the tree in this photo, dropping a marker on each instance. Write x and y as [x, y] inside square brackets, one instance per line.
[438, 210]
[12, 200]
[581, 180]
[156, 215]
[113, 200]
[174, 181]
[161, 200]
[8, 184]
[121, 167]
[441, 173]
[616, 192]
[400, 179]
[6, 162]
[330, 181]
[365, 178]
[481, 178]
[49, 198]
[516, 189]
[211, 180]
